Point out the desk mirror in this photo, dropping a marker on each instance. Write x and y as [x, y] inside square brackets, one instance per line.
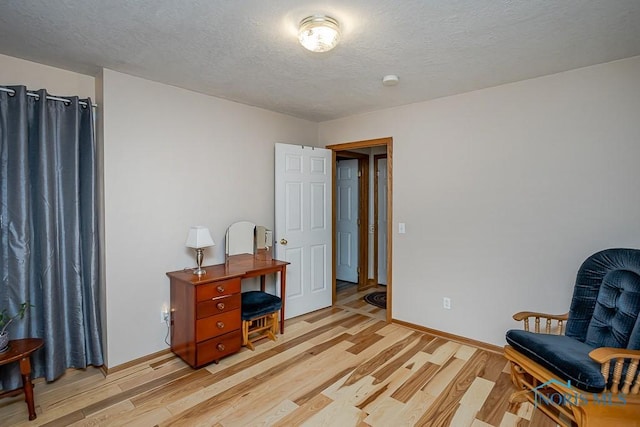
[239, 238]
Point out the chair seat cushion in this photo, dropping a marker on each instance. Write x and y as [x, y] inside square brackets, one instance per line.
[566, 357]
[257, 303]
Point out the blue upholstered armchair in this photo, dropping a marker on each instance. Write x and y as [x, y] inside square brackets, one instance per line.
[583, 366]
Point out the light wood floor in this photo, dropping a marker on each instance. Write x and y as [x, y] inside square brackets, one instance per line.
[341, 366]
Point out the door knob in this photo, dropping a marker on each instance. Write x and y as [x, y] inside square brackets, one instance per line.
[283, 241]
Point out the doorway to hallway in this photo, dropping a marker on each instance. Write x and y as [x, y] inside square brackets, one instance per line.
[375, 217]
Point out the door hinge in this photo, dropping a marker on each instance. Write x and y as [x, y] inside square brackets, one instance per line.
[359, 174]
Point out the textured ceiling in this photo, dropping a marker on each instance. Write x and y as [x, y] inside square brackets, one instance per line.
[247, 51]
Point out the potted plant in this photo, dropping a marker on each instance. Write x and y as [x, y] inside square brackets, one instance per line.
[5, 321]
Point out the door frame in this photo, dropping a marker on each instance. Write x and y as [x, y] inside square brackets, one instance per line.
[388, 143]
[363, 212]
[376, 157]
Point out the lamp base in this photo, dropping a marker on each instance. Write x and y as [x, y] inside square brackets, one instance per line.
[199, 271]
[199, 255]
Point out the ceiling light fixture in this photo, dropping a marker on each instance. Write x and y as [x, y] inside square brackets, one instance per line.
[319, 33]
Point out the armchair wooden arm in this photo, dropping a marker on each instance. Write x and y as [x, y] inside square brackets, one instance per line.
[549, 318]
[605, 355]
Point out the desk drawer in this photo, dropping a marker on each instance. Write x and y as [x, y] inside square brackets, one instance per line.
[218, 305]
[217, 289]
[218, 347]
[213, 326]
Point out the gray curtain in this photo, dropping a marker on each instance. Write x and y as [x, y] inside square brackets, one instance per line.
[49, 249]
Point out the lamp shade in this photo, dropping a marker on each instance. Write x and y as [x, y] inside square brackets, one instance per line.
[199, 237]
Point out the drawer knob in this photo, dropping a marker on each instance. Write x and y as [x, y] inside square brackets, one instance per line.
[220, 325]
[220, 347]
[220, 306]
[221, 289]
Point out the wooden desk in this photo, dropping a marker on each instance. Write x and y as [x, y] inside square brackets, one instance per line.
[205, 310]
[21, 350]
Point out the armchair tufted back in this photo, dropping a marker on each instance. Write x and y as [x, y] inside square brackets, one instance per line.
[606, 300]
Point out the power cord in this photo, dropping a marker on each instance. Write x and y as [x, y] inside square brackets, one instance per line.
[167, 321]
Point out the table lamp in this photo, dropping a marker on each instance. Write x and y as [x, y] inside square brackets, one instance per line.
[198, 239]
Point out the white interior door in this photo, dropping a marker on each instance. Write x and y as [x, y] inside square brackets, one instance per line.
[347, 220]
[382, 220]
[303, 225]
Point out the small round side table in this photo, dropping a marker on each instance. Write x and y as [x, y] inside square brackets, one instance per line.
[21, 350]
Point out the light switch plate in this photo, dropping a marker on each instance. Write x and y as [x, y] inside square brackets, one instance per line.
[401, 228]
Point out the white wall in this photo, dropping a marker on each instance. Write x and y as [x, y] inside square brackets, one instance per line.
[173, 159]
[15, 71]
[505, 191]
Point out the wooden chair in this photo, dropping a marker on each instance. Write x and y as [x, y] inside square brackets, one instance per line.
[582, 367]
[260, 312]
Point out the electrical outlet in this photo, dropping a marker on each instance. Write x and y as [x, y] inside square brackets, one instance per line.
[446, 303]
[401, 228]
[164, 315]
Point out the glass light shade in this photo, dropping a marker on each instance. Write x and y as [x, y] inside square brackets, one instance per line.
[319, 33]
[199, 237]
